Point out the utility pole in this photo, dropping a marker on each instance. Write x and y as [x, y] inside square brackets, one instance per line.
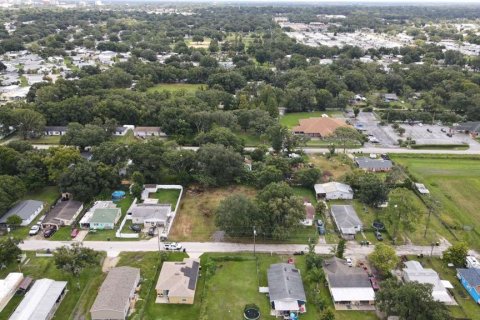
[254, 238]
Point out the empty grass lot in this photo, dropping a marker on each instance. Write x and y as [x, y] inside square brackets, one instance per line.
[291, 119]
[81, 289]
[333, 168]
[176, 87]
[455, 182]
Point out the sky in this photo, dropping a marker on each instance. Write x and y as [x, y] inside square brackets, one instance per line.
[330, 1]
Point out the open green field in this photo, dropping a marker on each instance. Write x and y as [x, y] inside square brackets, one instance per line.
[176, 87]
[81, 289]
[291, 119]
[455, 182]
[224, 293]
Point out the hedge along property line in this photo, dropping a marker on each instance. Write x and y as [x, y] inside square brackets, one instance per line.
[440, 146]
[435, 156]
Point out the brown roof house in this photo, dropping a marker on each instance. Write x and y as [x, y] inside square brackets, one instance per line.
[116, 294]
[177, 282]
[318, 127]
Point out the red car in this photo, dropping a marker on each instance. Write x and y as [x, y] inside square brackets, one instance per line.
[74, 233]
[374, 284]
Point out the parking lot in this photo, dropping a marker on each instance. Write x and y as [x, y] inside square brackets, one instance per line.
[421, 133]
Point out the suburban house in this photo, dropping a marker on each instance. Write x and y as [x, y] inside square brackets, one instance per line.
[178, 281]
[421, 188]
[41, 302]
[309, 213]
[150, 214]
[285, 288]
[116, 294]
[27, 210]
[471, 127]
[347, 220]
[470, 279]
[102, 215]
[374, 165]
[318, 127]
[121, 131]
[390, 97]
[348, 286]
[333, 190]
[144, 132]
[55, 131]
[414, 271]
[8, 287]
[63, 213]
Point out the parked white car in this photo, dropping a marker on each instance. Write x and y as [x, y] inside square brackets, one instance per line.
[172, 246]
[34, 230]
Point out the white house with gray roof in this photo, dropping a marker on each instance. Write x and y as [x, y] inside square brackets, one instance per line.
[150, 214]
[373, 165]
[333, 191]
[347, 220]
[116, 294]
[348, 285]
[27, 210]
[286, 290]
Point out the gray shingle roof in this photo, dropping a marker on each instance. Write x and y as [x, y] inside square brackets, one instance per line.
[470, 126]
[285, 282]
[114, 294]
[23, 209]
[345, 217]
[340, 275]
[373, 164]
[472, 276]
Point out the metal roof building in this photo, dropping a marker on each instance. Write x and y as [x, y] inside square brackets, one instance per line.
[8, 286]
[333, 190]
[116, 294]
[41, 302]
[346, 219]
[373, 165]
[27, 210]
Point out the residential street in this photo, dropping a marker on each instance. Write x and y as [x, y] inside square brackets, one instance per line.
[113, 248]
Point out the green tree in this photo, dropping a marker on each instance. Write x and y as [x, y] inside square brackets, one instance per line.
[307, 177]
[59, 159]
[345, 135]
[9, 251]
[237, 215]
[84, 136]
[218, 166]
[267, 175]
[29, 123]
[280, 210]
[277, 135]
[340, 250]
[213, 46]
[456, 254]
[8, 160]
[75, 258]
[327, 314]
[223, 136]
[138, 180]
[11, 190]
[372, 190]
[14, 220]
[410, 301]
[384, 258]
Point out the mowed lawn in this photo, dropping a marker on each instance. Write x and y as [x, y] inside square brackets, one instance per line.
[291, 119]
[176, 87]
[455, 182]
[169, 196]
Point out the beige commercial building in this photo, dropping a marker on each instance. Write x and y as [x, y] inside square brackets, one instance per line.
[177, 282]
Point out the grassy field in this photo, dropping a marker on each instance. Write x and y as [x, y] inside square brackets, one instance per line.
[176, 87]
[195, 217]
[81, 289]
[455, 182]
[169, 196]
[291, 119]
[333, 168]
[466, 306]
[224, 294]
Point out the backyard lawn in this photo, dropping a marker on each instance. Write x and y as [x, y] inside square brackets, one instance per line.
[169, 196]
[176, 87]
[81, 289]
[224, 293]
[291, 119]
[333, 168]
[455, 182]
